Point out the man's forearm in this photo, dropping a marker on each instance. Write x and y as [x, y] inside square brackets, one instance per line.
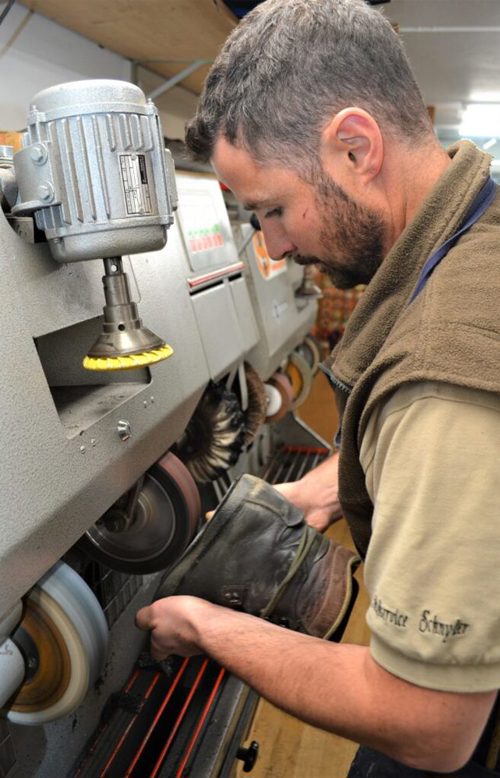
[341, 689]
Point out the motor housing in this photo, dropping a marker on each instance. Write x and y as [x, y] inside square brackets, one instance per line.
[94, 170]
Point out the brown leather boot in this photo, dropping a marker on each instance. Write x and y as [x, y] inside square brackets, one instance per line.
[257, 554]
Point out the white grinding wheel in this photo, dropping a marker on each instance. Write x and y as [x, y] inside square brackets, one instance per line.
[63, 635]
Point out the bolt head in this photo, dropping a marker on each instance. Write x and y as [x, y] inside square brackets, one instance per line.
[38, 154]
[124, 430]
[45, 193]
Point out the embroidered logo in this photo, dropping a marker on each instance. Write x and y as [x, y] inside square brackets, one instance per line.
[395, 617]
[442, 629]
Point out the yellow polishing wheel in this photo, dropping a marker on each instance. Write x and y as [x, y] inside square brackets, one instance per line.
[300, 375]
[128, 361]
[296, 378]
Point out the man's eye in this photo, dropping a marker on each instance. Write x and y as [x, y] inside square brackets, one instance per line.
[273, 212]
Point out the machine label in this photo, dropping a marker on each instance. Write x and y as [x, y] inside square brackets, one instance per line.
[135, 183]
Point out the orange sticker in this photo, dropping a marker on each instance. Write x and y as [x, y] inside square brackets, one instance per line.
[267, 267]
[14, 139]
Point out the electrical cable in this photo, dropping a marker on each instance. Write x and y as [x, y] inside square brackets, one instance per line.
[6, 10]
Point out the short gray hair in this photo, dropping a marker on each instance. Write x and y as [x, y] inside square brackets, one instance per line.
[290, 65]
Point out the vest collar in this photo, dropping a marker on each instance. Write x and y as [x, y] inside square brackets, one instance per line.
[390, 289]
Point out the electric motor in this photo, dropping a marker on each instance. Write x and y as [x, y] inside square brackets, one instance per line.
[95, 171]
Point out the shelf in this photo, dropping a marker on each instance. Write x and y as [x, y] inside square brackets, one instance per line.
[163, 35]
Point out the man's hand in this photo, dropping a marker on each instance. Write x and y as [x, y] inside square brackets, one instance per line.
[316, 494]
[172, 622]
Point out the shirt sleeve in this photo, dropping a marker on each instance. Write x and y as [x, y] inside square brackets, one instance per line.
[432, 465]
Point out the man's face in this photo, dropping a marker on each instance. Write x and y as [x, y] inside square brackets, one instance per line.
[316, 224]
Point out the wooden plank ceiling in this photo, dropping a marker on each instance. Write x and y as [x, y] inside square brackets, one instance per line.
[164, 35]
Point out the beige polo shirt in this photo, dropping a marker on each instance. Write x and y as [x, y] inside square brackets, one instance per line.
[431, 456]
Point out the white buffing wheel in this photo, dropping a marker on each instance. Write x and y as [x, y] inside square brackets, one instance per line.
[274, 400]
[281, 383]
[63, 635]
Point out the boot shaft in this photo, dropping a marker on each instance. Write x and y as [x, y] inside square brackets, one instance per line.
[258, 555]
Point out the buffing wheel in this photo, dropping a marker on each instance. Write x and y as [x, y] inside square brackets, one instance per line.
[300, 376]
[63, 638]
[256, 411]
[148, 529]
[310, 349]
[273, 399]
[215, 435]
[280, 383]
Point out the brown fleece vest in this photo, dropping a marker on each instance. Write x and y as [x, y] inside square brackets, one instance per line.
[450, 332]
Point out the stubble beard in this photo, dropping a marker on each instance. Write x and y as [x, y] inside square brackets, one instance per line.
[351, 235]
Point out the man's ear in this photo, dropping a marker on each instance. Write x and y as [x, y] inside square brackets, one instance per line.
[352, 146]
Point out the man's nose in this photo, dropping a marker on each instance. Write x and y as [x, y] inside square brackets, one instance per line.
[277, 243]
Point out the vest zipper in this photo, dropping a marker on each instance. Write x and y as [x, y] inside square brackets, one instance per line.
[334, 381]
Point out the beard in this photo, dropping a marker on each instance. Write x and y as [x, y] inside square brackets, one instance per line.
[351, 235]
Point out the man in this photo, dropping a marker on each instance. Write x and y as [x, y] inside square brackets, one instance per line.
[312, 117]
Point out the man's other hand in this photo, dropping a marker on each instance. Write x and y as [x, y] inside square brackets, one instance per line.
[173, 622]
